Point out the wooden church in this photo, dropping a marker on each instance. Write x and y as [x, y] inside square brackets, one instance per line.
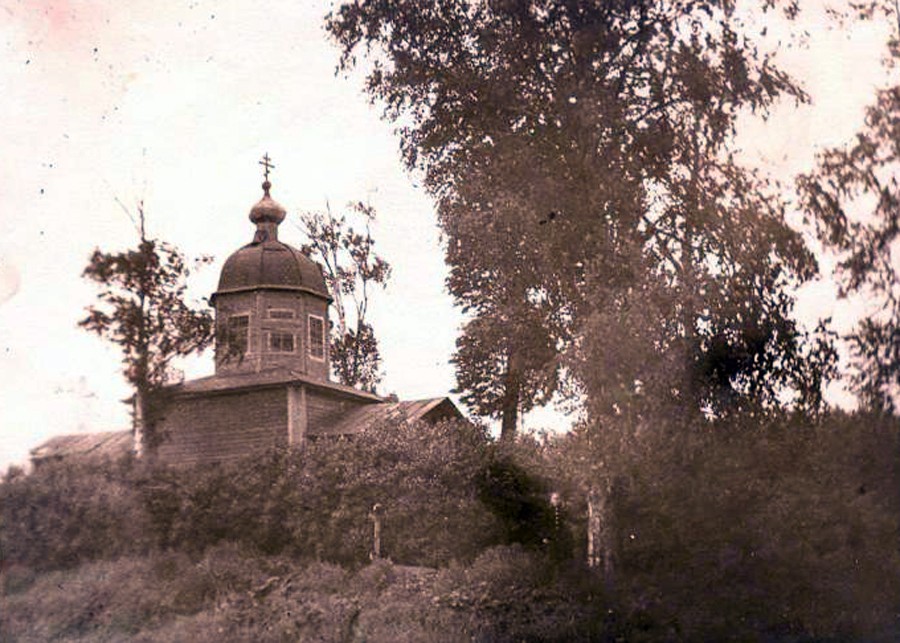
[272, 384]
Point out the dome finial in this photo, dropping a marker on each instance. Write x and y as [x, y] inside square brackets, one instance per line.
[266, 214]
[266, 162]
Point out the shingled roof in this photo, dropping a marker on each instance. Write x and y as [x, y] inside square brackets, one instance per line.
[84, 446]
[361, 418]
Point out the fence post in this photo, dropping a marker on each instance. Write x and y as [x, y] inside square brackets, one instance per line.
[375, 515]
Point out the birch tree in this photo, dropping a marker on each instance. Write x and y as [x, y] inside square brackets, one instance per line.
[352, 270]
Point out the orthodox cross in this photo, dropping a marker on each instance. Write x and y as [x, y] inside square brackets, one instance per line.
[266, 162]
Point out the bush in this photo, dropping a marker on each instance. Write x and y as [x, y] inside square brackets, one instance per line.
[783, 530]
[316, 503]
[520, 501]
[510, 593]
[124, 597]
[64, 514]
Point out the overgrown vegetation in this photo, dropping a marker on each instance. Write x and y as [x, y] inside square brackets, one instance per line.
[600, 231]
[774, 530]
[313, 503]
[741, 531]
[611, 247]
[226, 595]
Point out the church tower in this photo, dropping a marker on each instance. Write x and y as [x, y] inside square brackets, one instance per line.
[272, 303]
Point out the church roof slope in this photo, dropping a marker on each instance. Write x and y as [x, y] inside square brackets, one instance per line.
[358, 420]
[90, 446]
[271, 377]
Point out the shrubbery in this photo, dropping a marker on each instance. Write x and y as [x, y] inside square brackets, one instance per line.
[61, 516]
[226, 595]
[780, 530]
[115, 600]
[312, 503]
[317, 502]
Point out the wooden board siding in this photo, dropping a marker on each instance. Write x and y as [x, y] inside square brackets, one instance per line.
[237, 304]
[295, 302]
[297, 415]
[224, 426]
[318, 369]
[208, 423]
[256, 305]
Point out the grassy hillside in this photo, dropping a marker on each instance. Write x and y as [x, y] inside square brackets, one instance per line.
[227, 596]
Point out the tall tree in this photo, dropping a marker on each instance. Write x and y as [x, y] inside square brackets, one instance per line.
[352, 270]
[601, 133]
[506, 359]
[505, 362]
[142, 309]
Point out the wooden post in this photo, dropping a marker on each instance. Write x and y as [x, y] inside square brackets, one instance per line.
[375, 515]
[298, 418]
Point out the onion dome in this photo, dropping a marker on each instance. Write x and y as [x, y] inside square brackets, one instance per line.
[267, 210]
[268, 264]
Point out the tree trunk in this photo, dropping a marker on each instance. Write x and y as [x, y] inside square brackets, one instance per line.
[689, 281]
[510, 408]
[144, 425]
[600, 536]
[140, 424]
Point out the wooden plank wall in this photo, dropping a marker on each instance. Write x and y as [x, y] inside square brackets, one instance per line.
[224, 427]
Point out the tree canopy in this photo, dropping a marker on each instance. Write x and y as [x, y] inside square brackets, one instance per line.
[581, 158]
[351, 270]
[142, 308]
[853, 197]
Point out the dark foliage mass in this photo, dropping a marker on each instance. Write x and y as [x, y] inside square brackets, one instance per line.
[313, 503]
[783, 530]
[521, 502]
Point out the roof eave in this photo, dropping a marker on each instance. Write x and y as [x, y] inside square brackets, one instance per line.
[330, 387]
[255, 287]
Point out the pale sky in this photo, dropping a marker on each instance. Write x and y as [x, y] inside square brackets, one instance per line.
[173, 102]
